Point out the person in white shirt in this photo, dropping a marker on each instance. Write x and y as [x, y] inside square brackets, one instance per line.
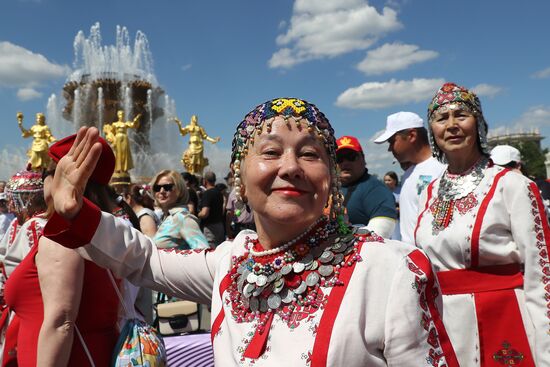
[408, 142]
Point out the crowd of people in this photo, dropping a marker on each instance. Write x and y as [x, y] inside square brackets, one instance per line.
[302, 255]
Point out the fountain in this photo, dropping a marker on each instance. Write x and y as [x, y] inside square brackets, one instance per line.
[111, 78]
[108, 78]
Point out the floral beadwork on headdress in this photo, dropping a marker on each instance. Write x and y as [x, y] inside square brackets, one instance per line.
[452, 94]
[24, 182]
[292, 110]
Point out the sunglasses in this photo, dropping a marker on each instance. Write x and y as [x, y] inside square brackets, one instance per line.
[166, 187]
[347, 156]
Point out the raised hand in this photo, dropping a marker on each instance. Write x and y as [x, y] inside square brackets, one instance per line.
[73, 171]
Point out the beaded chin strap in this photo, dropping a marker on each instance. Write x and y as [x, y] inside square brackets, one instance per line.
[292, 110]
[451, 96]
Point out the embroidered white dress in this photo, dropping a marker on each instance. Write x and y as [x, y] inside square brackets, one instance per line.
[498, 227]
[384, 314]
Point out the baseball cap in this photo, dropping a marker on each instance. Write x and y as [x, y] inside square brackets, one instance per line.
[504, 154]
[397, 122]
[349, 142]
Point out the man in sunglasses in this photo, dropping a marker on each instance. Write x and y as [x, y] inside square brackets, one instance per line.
[367, 200]
[409, 144]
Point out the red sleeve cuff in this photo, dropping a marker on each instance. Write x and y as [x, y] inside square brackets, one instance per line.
[77, 232]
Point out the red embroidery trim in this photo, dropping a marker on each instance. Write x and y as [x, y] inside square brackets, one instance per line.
[542, 232]
[428, 198]
[427, 293]
[324, 333]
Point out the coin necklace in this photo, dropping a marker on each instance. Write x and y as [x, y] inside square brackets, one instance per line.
[454, 188]
[290, 281]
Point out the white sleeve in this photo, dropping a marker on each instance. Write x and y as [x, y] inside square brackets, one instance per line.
[382, 226]
[530, 231]
[186, 274]
[414, 332]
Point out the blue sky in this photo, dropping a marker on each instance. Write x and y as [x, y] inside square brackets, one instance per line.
[357, 60]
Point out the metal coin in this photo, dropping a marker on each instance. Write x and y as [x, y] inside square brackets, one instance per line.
[336, 246]
[261, 280]
[274, 301]
[298, 267]
[316, 252]
[326, 257]
[286, 269]
[314, 265]
[278, 287]
[307, 259]
[257, 291]
[342, 248]
[312, 279]
[362, 231]
[348, 250]
[248, 289]
[251, 278]
[272, 277]
[240, 284]
[254, 304]
[338, 258]
[288, 297]
[301, 288]
[263, 305]
[325, 270]
[245, 273]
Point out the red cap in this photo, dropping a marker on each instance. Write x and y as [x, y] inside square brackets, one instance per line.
[105, 165]
[349, 142]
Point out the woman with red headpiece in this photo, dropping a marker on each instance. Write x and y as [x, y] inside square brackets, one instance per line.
[56, 293]
[485, 230]
[25, 192]
[306, 289]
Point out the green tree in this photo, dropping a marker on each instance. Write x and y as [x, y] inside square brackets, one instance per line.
[533, 158]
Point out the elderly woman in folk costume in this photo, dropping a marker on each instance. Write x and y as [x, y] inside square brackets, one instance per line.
[485, 230]
[306, 289]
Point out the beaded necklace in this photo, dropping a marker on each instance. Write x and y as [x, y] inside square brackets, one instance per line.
[454, 188]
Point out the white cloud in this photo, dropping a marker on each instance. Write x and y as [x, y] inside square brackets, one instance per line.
[486, 90]
[320, 29]
[20, 67]
[26, 94]
[393, 57]
[186, 67]
[535, 116]
[374, 95]
[542, 74]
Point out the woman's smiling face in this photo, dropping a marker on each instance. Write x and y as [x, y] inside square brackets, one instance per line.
[286, 174]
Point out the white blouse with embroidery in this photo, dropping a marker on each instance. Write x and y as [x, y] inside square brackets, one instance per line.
[512, 230]
[387, 316]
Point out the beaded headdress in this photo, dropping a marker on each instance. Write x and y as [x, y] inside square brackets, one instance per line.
[452, 94]
[293, 110]
[23, 186]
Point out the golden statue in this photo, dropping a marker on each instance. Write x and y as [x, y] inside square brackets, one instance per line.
[193, 158]
[42, 137]
[116, 134]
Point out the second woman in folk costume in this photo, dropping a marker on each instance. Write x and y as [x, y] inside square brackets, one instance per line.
[485, 231]
[306, 289]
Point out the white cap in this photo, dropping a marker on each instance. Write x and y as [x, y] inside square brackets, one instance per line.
[504, 154]
[397, 122]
